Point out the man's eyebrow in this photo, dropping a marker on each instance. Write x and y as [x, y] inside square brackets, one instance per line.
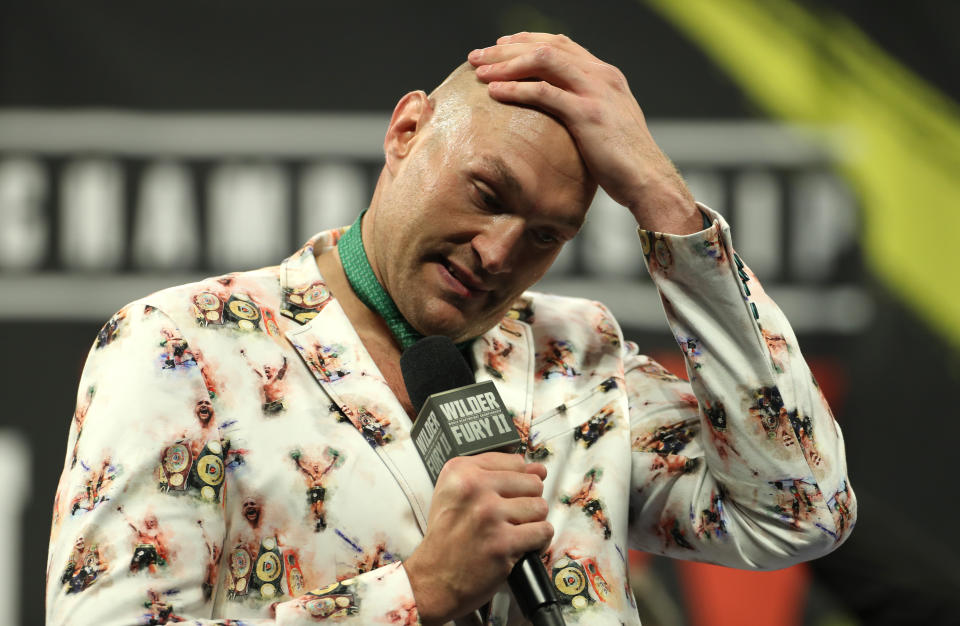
[503, 173]
[505, 176]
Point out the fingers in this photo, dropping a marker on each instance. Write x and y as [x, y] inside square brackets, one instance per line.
[526, 37]
[536, 468]
[532, 537]
[515, 61]
[507, 475]
[530, 60]
[525, 528]
[544, 71]
[541, 95]
[503, 462]
[516, 485]
[504, 51]
[525, 510]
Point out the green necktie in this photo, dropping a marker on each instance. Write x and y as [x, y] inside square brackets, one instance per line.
[353, 257]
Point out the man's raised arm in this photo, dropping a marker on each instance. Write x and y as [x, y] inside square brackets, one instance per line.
[744, 465]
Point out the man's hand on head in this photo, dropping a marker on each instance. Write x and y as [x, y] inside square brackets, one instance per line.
[592, 99]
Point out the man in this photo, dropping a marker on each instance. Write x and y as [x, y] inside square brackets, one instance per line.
[483, 182]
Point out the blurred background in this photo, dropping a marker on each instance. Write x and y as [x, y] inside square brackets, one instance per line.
[148, 144]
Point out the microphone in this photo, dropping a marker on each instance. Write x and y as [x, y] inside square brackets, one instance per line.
[457, 417]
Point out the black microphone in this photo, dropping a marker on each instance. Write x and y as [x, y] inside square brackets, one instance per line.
[456, 417]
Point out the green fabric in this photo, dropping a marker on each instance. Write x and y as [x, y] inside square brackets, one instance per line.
[360, 275]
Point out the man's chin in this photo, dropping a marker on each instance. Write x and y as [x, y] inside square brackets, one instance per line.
[444, 318]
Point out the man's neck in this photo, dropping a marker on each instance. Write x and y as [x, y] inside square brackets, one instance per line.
[373, 331]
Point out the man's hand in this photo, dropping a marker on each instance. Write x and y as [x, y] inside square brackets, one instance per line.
[592, 99]
[487, 512]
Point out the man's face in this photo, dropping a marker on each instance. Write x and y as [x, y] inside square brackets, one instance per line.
[475, 214]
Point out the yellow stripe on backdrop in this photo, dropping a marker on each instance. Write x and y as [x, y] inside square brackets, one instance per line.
[902, 139]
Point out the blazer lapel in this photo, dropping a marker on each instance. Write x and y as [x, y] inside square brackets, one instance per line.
[505, 355]
[330, 347]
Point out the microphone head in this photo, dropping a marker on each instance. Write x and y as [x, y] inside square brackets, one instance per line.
[432, 365]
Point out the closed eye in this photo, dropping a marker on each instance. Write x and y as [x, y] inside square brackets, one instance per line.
[546, 237]
[487, 198]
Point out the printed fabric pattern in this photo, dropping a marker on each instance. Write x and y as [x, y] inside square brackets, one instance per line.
[236, 457]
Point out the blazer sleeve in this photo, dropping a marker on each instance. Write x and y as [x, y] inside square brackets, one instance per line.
[128, 545]
[744, 465]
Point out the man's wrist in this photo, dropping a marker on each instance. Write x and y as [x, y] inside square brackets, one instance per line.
[422, 595]
[667, 207]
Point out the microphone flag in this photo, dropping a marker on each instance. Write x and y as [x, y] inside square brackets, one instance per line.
[463, 421]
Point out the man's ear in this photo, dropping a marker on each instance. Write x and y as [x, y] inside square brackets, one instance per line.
[409, 118]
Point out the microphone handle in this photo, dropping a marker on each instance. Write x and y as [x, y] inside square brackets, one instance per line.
[548, 615]
[534, 592]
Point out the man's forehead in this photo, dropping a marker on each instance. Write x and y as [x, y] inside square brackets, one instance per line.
[464, 111]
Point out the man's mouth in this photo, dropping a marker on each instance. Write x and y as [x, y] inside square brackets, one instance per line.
[462, 280]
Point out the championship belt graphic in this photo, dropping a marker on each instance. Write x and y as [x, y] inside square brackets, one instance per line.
[270, 323]
[316, 494]
[208, 308]
[239, 570]
[570, 579]
[208, 472]
[303, 305]
[267, 570]
[335, 600]
[145, 555]
[242, 312]
[295, 583]
[597, 581]
[175, 464]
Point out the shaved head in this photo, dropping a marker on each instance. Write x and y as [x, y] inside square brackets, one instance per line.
[457, 96]
[462, 98]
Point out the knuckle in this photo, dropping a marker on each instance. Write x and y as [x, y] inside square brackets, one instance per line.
[615, 77]
[448, 472]
[591, 112]
[544, 52]
[480, 512]
[543, 89]
[595, 112]
[498, 550]
[547, 532]
[453, 465]
[512, 462]
[536, 467]
[464, 482]
[541, 508]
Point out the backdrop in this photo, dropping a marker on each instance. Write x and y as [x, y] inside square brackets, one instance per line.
[141, 144]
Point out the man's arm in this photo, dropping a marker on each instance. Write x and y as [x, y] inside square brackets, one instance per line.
[746, 466]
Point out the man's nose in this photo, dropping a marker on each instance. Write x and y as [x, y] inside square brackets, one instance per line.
[497, 244]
